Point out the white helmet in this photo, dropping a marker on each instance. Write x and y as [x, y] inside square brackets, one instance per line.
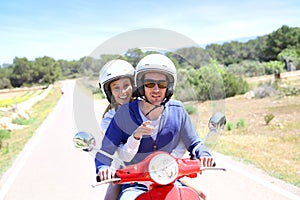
[112, 71]
[156, 63]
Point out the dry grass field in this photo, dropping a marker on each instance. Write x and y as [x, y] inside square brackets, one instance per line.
[272, 147]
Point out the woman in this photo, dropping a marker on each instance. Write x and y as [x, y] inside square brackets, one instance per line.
[116, 83]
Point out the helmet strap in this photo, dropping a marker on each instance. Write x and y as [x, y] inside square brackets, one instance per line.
[155, 106]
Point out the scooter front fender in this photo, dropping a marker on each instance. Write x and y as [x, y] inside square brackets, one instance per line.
[169, 192]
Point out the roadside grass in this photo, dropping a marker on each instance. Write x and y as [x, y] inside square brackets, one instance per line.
[18, 98]
[13, 145]
[22, 121]
[276, 154]
[273, 147]
[5, 113]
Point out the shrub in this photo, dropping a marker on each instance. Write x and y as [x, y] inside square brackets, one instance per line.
[241, 123]
[206, 83]
[4, 134]
[190, 109]
[229, 126]
[271, 66]
[268, 118]
[234, 85]
[22, 121]
[247, 68]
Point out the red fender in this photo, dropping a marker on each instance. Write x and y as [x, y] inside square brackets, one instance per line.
[169, 192]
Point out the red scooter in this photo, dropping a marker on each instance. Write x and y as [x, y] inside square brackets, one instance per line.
[160, 169]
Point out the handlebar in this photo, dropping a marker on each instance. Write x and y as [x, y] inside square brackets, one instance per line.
[99, 182]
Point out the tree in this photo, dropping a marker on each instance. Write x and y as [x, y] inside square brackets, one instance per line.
[21, 74]
[290, 58]
[283, 38]
[48, 70]
[133, 56]
[5, 73]
[195, 56]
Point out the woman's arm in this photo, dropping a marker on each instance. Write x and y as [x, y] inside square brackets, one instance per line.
[107, 119]
[128, 150]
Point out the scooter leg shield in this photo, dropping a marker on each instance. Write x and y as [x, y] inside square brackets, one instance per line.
[169, 192]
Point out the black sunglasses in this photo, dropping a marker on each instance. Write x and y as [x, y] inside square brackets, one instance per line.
[149, 83]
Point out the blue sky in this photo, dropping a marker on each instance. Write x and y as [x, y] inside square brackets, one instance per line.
[73, 29]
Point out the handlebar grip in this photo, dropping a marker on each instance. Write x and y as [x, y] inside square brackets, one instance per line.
[98, 179]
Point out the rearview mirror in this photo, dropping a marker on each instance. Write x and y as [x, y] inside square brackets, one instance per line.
[84, 141]
[217, 122]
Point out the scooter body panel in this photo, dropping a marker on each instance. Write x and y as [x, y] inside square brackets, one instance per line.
[169, 192]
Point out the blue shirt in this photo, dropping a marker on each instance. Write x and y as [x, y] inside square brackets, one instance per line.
[175, 125]
[107, 119]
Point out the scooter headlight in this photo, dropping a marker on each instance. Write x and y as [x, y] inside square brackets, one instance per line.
[163, 169]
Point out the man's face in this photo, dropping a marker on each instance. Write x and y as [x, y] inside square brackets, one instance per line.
[155, 86]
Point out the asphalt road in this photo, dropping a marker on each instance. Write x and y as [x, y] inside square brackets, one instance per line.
[51, 168]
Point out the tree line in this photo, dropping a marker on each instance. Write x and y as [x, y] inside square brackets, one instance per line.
[279, 50]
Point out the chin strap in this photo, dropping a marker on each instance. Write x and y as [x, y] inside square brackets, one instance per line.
[155, 106]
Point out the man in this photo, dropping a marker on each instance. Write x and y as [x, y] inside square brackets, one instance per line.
[151, 123]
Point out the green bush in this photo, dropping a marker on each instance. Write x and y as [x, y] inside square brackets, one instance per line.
[241, 123]
[234, 85]
[208, 83]
[22, 121]
[290, 54]
[229, 126]
[271, 66]
[248, 68]
[190, 109]
[268, 118]
[4, 134]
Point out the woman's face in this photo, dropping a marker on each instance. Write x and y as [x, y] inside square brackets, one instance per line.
[155, 87]
[121, 90]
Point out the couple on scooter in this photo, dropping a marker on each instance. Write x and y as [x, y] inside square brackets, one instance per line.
[149, 123]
